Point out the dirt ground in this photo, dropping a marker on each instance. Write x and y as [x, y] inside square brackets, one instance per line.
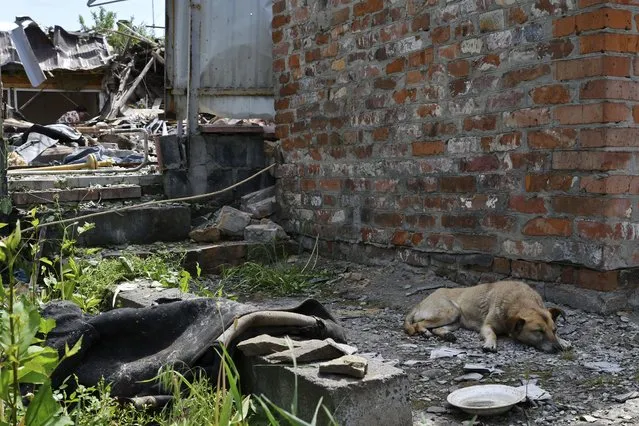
[371, 303]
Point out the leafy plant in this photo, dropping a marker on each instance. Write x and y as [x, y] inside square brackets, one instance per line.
[23, 358]
[106, 22]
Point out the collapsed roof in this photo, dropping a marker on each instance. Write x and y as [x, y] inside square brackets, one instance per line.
[57, 50]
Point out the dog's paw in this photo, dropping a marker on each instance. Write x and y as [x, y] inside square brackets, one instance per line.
[564, 344]
[489, 347]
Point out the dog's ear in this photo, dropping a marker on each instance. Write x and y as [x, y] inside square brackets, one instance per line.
[515, 325]
[556, 313]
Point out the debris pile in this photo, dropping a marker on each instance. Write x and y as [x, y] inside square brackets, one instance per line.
[251, 222]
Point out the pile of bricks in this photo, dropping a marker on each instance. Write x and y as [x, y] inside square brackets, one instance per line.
[496, 128]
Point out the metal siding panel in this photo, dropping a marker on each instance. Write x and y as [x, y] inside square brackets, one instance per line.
[236, 55]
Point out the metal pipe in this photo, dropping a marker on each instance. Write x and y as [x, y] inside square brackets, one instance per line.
[144, 133]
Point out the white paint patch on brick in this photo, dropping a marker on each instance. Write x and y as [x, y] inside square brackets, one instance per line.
[467, 202]
[409, 44]
[491, 203]
[523, 248]
[499, 40]
[305, 214]
[338, 217]
[316, 201]
[629, 212]
[463, 145]
[464, 107]
[472, 46]
[630, 231]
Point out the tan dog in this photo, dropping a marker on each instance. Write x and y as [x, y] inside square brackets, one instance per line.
[500, 308]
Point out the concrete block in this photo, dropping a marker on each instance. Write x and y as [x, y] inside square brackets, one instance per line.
[117, 192]
[348, 365]
[141, 293]
[264, 233]
[382, 397]
[256, 196]
[144, 225]
[212, 257]
[231, 222]
[262, 209]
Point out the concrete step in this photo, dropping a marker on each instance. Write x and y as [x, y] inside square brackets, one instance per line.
[70, 181]
[74, 195]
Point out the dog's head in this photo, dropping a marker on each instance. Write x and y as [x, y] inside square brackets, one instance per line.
[536, 327]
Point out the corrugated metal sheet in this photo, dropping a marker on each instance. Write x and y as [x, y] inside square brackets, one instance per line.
[58, 50]
[236, 74]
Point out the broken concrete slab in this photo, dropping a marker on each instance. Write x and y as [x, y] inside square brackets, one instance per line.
[311, 351]
[231, 222]
[265, 232]
[347, 365]
[264, 345]
[382, 397]
[262, 209]
[141, 293]
[51, 196]
[256, 197]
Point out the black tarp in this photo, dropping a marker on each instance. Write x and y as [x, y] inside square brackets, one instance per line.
[129, 346]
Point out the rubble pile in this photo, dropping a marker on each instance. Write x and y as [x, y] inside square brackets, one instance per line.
[251, 223]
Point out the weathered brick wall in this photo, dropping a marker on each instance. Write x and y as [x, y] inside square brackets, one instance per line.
[501, 132]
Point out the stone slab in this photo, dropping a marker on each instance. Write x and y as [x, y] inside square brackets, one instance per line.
[141, 293]
[382, 397]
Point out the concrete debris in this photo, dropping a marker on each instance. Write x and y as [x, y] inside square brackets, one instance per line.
[257, 203]
[265, 232]
[206, 233]
[534, 392]
[626, 396]
[587, 418]
[603, 366]
[265, 345]
[141, 293]
[312, 351]
[444, 352]
[231, 222]
[348, 365]
[436, 410]
[470, 377]
[481, 369]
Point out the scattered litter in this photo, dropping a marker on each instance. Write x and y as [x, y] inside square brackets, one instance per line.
[482, 369]
[445, 352]
[603, 366]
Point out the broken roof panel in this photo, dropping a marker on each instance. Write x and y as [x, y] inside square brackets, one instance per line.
[58, 50]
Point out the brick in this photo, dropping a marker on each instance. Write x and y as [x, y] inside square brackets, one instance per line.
[610, 89]
[366, 7]
[596, 280]
[588, 206]
[555, 49]
[420, 149]
[396, 66]
[528, 205]
[564, 26]
[529, 117]
[403, 95]
[504, 142]
[485, 163]
[388, 220]
[552, 139]
[458, 184]
[609, 137]
[468, 222]
[599, 231]
[384, 83]
[279, 6]
[459, 68]
[440, 34]
[501, 265]
[513, 78]
[499, 222]
[420, 23]
[449, 52]
[308, 185]
[604, 18]
[381, 134]
[330, 184]
[543, 182]
[464, 29]
[635, 113]
[422, 184]
[551, 94]
[606, 112]
[610, 184]
[414, 77]
[491, 21]
[421, 58]
[609, 42]
[280, 21]
[590, 160]
[611, 66]
[401, 238]
[481, 243]
[421, 221]
[547, 227]
[340, 16]
[529, 160]
[480, 122]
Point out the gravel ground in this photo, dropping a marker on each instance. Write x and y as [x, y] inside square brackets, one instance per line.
[371, 303]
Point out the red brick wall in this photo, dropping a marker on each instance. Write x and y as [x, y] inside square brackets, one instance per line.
[492, 127]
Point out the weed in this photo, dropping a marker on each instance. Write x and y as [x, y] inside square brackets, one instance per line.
[600, 380]
[568, 355]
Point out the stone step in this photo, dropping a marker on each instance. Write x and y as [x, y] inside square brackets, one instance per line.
[51, 196]
[70, 181]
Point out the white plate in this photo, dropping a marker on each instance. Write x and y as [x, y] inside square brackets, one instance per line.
[486, 400]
